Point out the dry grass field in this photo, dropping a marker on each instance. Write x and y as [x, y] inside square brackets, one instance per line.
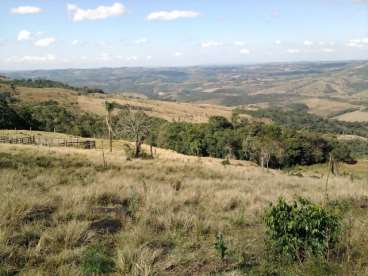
[324, 107]
[356, 116]
[171, 111]
[155, 217]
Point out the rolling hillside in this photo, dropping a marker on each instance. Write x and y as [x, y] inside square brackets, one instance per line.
[64, 213]
[329, 89]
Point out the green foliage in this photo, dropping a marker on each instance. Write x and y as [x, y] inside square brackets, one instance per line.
[95, 260]
[49, 116]
[301, 229]
[301, 119]
[9, 118]
[44, 83]
[342, 152]
[220, 246]
[268, 144]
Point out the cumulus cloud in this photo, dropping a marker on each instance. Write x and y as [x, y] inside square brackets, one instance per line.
[293, 51]
[308, 43]
[45, 42]
[171, 15]
[328, 50]
[278, 42]
[132, 58]
[239, 43]
[33, 59]
[208, 44]
[141, 41]
[24, 35]
[244, 51]
[178, 54]
[26, 10]
[148, 57]
[358, 43]
[101, 12]
[75, 42]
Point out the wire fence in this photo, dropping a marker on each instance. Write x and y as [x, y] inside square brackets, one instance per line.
[49, 142]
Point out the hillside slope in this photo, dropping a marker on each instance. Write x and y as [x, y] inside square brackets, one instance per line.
[95, 103]
[159, 216]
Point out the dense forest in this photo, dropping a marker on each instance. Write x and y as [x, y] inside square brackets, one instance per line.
[297, 117]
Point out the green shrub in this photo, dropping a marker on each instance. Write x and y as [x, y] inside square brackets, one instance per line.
[301, 229]
[220, 246]
[95, 260]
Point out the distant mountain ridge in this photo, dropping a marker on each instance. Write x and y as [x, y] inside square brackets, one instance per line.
[225, 85]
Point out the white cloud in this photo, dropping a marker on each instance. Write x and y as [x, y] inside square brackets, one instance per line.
[132, 58]
[26, 10]
[178, 54]
[75, 42]
[278, 42]
[148, 57]
[358, 43]
[24, 35]
[141, 41]
[308, 43]
[45, 42]
[328, 50]
[171, 15]
[101, 12]
[293, 51]
[239, 43]
[208, 44]
[244, 51]
[33, 59]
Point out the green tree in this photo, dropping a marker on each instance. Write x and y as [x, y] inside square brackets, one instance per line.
[109, 106]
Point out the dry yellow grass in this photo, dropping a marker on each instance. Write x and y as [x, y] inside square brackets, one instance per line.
[171, 111]
[179, 204]
[356, 116]
[63, 96]
[324, 107]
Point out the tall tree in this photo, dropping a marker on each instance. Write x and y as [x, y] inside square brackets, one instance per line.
[109, 108]
[134, 124]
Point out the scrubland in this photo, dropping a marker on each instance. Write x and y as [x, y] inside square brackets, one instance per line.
[62, 212]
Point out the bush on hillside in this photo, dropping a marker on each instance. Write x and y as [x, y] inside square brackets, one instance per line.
[301, 229]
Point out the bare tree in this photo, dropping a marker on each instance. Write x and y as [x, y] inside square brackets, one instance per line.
[109, 108]
[136, 125]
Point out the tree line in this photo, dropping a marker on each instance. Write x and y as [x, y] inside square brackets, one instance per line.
[269, 145]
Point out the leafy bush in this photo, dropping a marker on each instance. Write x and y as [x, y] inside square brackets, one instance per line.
[95, 260]
[220, 246]
[300, 229]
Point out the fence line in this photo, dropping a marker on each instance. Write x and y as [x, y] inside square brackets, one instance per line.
[57, 142]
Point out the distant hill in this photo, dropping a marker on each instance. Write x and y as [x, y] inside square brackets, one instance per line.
[95, 103]
[329, 89]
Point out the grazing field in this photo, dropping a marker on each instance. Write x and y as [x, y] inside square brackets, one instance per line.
[324, 107]
[95, 103]
[62, 212]
[356, 116]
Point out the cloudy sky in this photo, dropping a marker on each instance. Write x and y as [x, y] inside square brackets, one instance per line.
[102, 33]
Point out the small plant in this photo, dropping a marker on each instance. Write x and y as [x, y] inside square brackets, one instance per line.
[300, 229]
[226, 162]
[95, 260]
[220, 246]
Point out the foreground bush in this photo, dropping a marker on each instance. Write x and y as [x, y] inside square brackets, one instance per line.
[95, 260]
[301, 229]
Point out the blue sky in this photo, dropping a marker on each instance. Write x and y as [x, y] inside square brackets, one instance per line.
[101, 33]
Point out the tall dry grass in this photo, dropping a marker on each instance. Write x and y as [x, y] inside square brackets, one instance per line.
[151, 216]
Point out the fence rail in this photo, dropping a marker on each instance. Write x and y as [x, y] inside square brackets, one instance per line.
[32, 140]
